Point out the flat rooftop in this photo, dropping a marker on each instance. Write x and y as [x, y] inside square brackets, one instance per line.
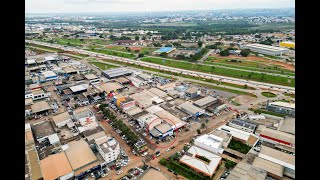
[40, 106]
[79, 154]
[35, 167]
[275, 134]
[115, 72]
[82, 112]
[61, 117]
[157, 92]
[210, 140]
[225, 136]
[107, 144]
[134, 110]
[287, 125]
[110, 86]
[55, 166]
[152, 173]
[163, 128]
[80, 87]
[246, 171]
[42, 129]
[235, 132]
[90, 76]
[154, 109]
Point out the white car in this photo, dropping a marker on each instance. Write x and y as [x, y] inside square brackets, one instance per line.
[168, 150]
[119, 172]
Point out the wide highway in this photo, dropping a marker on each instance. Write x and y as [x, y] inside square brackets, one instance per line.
[232, 80]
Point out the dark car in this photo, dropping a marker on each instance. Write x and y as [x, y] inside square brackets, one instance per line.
[170, 170]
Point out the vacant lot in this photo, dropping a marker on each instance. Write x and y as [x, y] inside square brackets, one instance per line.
[113, 53]
[102, 65]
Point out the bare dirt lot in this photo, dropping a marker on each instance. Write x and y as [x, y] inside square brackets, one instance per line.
[243, 99]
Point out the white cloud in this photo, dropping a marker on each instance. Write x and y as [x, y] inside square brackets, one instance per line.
[65, 6]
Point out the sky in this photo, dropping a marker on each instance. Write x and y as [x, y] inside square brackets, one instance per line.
[82, 6]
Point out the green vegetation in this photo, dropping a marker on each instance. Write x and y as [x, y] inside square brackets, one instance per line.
[103, 66]
[233, 102]
[222, 71]
[113, 53]
[182, 170]
[118, 124]
[227, 90]
[245, 53]
[259, 111]
[268, 94]
[239, 146]
[290, 95]
[229, 164]
[224, 52]
[203, 158]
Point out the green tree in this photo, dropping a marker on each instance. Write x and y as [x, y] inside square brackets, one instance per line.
[140, 55]
[244, 52]
[198, 131]
[163, 54]
[202, 125]
[224, 52]
[245, 86]
[229, 164]
[200, 44]
[137, 38]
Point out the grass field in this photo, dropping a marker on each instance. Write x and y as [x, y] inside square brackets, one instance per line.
[233, 102]
[113, 53]
[103, 66]
[268, 94]
[259, 111]
[222, 71]
[144, 50]
[78, 42]
[290, 95]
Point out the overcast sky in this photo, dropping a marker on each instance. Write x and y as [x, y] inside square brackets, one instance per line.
[72, 6]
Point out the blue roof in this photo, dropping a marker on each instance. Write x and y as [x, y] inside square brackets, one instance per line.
[164, 49]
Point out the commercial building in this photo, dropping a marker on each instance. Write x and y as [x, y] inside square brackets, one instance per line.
[287, 44]
[266, 49]
[41, 107]
[110, 87]
[206, 101]
[117, 99]
[192, 159]
[79, 154]
[287, 125]
[149, 121]
[144, 77]
[243, 170]
[240, 135]
[132, 111]
[154, 109]
[61, 119]
[210, 143]
[190, 109]
[282, 108]
[152, 173]
[108, 148]
[192, 93]
[226, 138]
[158, 92]
[42, 130]
[78, 89]
[277, 137]
[56, 166]
[242, 125]
[127, 104]
[93, 79]
[93, 134]
[143, 99]
[49, 75]
[161, 131]
[122, 80]
[116, 72]
[85, 119]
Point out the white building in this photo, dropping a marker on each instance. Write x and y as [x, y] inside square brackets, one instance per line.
[266, 49]
[210, 143]
[149, 121]
[62, 119]
[85, 118]
[108, 148]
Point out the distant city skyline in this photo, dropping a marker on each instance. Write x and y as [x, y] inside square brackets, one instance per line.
[92, 6]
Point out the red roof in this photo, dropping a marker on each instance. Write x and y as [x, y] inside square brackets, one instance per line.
[135, 49]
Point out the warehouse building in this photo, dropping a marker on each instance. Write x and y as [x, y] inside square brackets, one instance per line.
[190, 109]
[149, 121]
[273, 169]
[243, 170]
[193, 159]
[93, 79]
[110, 87]
[127, 104]
[226, 138]
[240, 135]
[42, 130]
[277, 137]
[281, 158]
[144, 77]
[157, 92]
[282, 108]
[49, 75]
[206, 101]
[192, 93]
[61, 119]
[243, 125]
[41, 107]
[266, 49]
[116, 72]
